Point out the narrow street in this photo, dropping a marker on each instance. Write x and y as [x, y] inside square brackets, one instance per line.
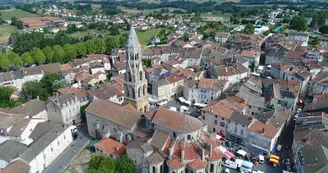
[70, 153]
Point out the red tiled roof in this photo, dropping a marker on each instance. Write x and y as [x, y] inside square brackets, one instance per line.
[222, 108]
[250, 54]
[197, 164]
[267, 130]
[205, 83]
[216, 155]
[173, 79]
[174, 163]
[176, 121]
[111, 146]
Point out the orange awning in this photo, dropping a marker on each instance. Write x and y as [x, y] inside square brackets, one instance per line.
[274, 160]
[274, 157]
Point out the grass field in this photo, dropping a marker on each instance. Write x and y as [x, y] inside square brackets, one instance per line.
[144, 37]
[5, 32]
[8, 14]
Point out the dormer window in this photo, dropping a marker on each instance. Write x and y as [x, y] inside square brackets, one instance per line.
[174, 135]
[188, 137]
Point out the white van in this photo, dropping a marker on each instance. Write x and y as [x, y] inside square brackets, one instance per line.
[246, 167]
[261, 159]
[229, 164]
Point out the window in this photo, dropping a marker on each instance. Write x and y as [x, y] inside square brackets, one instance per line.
[174, 135]
[222, 118]
[154, 169]
[216, 116]
[215, 121]
[52, 150]
[212, 168]
[242, 132]
[57, 142]
[249, 107]
[236, 129]
[203, 117]
[214, 130]
[188, 137]
[222, 124]
[259, 109]
[140, 75]
[252, 113]
[64, 137]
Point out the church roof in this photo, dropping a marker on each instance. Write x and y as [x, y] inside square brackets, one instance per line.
[133, 38]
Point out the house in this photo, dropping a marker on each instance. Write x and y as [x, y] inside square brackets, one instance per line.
[222, 37]
[80, 94]
[252, 56]
[238, 127]
[168, 87]
[17, 166]
[304, 37]
[275, 55]
[9, 151]
[33, 109]
[263, 135]
[204, 90]
[49, 141]
[318, 84]
[96, 67]
[110, 148]
[103, 91]
[232, 74]
[64, 108]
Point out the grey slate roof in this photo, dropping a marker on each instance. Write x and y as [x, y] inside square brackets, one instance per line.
[316, 159]
[240, 119]
[31, 108]
[10, 150]
[43, 134]
[132, 39]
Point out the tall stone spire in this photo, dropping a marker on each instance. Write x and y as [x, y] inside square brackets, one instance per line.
[132, 39]
[135, 82]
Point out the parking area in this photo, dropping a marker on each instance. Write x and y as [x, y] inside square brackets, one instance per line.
[265, 167]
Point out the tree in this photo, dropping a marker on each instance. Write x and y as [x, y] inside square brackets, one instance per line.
[34, 89]
[48, 80]
[146, 62]
[114, 30]
[59, 54]
[249, 29]
[1, 21]
[125, 165]
[95, 161]
[111, 42]
[107, 164]
[252, 66]
[99, 45]
[27, 58]
[15, 59]
[185, 36]
[80, 49]
[49, 53]
[324, 29]
[38, 55]
[70, 52]
[298, 23]
[5, 93]
[59, 84]
[82, 111]
[5, 63]
[314, 41]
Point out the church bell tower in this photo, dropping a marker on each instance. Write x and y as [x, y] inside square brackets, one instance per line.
[135, 82]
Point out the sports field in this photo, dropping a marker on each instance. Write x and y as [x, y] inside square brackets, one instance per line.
[8, 14]
[144, 37]
[5, 32]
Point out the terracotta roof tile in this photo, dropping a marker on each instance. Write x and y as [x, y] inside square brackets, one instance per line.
[205, 83]
[176, 121]
[250, 53]
[155, 158]
[197, 164]
[222, 108]
[174, 163]
[17, 166]
[267, 130]
[159, 139]
[111, 146]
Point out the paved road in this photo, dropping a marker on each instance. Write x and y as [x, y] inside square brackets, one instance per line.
[69, 154]
[265, 167]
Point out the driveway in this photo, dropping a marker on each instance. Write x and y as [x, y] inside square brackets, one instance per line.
[70, 153]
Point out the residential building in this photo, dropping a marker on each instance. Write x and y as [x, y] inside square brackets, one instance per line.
[9, 151]
[222, 37]
[49, 141]
[238, 128]
[252, 56]
[135, 82]
[17, 166]
[110, 148]
[304, 37]
[33, 109]
[168, 88]
[318, 84]
[64, 108]
[103, 91]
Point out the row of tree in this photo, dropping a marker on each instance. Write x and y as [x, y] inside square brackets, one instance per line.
[100, 164]
[61, 54]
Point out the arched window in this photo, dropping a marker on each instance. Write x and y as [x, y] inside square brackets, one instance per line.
[154, 169]
[174, 135]
[139, 92]
[188, 137]
[140, 75]
[145, 109]
[129, 76]
[143, 90]
[133, 94]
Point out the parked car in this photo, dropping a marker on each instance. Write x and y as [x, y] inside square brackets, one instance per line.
[227, 170]
[229, 164]
[79, 126]
[261, 159]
